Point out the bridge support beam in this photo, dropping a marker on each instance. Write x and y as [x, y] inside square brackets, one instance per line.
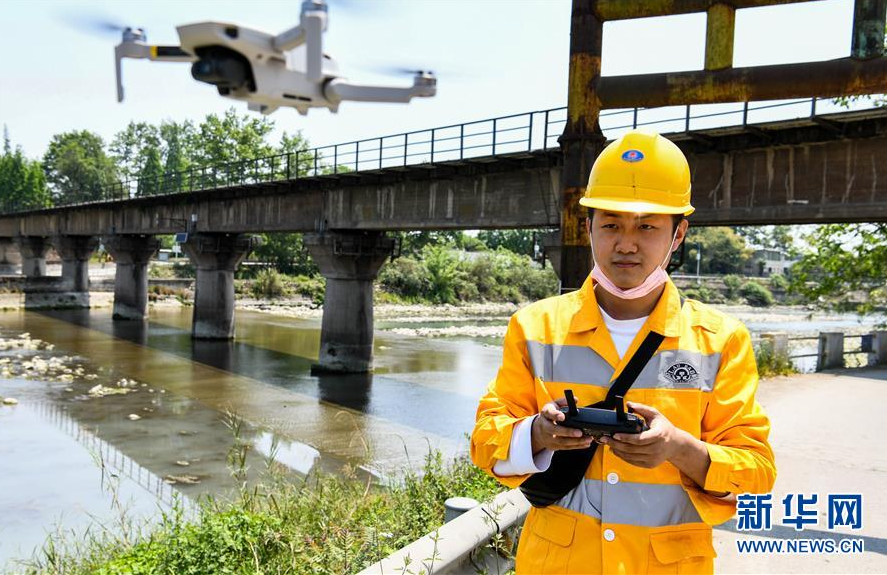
[10, 257]
[215, 256]
[33, 250]
[349, 262]
[131, 253]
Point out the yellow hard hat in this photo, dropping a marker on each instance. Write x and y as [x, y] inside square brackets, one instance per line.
[640, 172]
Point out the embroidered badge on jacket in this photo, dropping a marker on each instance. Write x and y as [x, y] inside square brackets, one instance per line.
[681, 372]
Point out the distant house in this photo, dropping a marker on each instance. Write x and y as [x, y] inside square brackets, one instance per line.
[768, 262]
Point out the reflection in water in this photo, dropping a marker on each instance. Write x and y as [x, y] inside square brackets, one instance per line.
[108, 456]
[133, 330]
[218, 353]
[346, 389]
[294, 454]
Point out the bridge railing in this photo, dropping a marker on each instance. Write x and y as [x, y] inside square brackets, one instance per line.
[491, 137]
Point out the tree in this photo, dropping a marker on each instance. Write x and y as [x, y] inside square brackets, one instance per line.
[78, 169]
[723, 251]
[517, 241]
[22, 182]
[130, 148]
[151, 173]
[287, 252]
[768, 237]
[845, 267]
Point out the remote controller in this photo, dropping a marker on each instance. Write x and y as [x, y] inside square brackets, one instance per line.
[597, 422]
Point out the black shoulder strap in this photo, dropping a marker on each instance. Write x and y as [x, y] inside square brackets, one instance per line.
[631, 372]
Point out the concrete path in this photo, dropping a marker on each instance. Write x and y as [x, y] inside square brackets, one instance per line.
[828, 433]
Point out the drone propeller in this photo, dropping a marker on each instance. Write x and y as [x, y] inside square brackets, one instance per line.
[93, 24]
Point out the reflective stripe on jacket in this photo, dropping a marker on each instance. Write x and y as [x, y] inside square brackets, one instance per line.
[622, 518]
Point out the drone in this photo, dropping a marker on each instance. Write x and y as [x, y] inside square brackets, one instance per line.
[267, 71]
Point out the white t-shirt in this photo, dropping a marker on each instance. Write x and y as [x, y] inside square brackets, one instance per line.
[520, 454]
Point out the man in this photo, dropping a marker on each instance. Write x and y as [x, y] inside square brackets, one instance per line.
[647, 501]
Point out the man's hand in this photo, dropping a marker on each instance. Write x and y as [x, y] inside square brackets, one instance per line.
[662, 442]
[547, 434]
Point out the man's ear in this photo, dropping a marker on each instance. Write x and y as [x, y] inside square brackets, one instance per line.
[681, 234]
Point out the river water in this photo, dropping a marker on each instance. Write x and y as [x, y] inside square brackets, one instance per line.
[70, 458]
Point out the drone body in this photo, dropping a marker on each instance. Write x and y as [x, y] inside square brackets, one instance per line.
[268, 71]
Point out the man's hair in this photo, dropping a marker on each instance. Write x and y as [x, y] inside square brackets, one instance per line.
[676, 219]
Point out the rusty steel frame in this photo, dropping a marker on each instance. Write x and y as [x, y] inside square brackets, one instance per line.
[864, 72]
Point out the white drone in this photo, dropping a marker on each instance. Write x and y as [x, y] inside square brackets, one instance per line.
[267, 71]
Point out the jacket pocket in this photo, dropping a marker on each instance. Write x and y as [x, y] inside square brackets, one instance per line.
[548, 542]
[681, 551]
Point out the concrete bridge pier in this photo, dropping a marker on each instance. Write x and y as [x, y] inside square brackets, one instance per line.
[215, 256]
[75, 252]
[33, 250]
[10, 257]
[349, 261]
[131, 253]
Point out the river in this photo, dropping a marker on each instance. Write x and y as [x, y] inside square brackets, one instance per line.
[172, 411]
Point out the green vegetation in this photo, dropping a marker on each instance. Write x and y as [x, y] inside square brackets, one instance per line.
[22, 180]
[755, 294]
[444, 275]
[325, 525]
[723, 251]
[771, 363]
[844, 267]
[704, 294]
[269, 283]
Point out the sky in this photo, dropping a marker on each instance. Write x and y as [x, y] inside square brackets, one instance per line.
[492, 58]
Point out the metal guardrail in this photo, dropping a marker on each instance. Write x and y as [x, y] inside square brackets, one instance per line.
[831, 349]
[515, 133]
[470, 543]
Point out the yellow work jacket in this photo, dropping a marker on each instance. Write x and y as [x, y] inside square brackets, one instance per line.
[622, 518]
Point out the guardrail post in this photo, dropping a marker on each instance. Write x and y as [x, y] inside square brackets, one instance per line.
[813, 106]
[744, 113]
[356, 156]
[288, 156]
[530, 133]
[336, 159]
[879, 347]
[634, 119]
[406, 141]
[456, 506]
[687, 119]
[494, 136]
[433, 135]
[461, 140]
[380, 153]
[831, 350]
[545, 132]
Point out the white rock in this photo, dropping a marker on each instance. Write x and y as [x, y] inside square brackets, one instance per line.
[10, 401]
[134, 417]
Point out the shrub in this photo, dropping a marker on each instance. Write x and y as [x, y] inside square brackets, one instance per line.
[755, 294]
[770, 362]
[704, 294]
[269, 283]
[405, 277]
[778, 283]
[310, 287]
[444, 273]
[732, 282]
[161, 271]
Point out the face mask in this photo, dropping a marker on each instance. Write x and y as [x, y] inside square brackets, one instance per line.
[656, 278]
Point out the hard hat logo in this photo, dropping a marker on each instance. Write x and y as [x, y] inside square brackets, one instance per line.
[641, 172]
[632, 156]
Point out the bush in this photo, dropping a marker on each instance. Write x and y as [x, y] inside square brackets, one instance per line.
[161, 271]
[771, 363]
[779, 283]
[755, 294]
[732, 282]
[269, 283]
[444, 273]
[704, 294]
[405, 277]
[310, 287]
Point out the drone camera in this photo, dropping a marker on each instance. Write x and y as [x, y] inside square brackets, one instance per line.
[224, 68]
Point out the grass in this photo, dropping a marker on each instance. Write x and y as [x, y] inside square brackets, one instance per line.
[324, 524]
